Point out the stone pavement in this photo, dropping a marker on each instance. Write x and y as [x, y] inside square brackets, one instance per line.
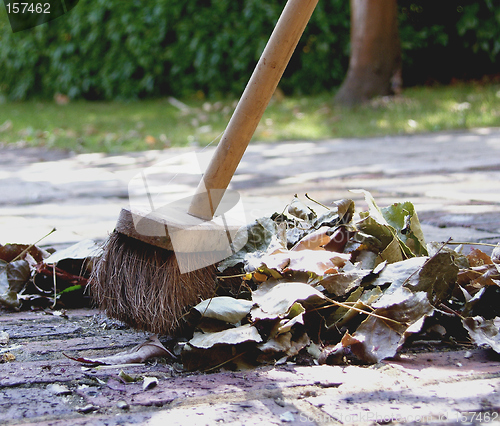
[453, 179]
[42, 387]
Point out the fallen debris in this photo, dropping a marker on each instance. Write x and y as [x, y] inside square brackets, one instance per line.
[306, 288]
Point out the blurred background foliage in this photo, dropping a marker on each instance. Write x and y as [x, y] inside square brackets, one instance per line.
[111, 49]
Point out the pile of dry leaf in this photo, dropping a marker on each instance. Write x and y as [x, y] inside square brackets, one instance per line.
[313, 288]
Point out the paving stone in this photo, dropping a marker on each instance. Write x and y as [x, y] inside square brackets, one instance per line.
[449, 365]
[18, 403]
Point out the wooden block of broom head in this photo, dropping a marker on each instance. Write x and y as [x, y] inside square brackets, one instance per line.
[172, 228]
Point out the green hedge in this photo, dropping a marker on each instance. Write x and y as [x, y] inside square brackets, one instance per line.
[111, 49]
[446, 39]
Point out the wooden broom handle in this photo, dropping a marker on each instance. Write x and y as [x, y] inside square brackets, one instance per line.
[251, 107]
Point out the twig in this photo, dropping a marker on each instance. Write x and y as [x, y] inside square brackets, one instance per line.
[223, 277]
[27, 249]
[449, 310]
[225, 362]
[317, 202]
[55, 286]
[470, 243]
[362, 311]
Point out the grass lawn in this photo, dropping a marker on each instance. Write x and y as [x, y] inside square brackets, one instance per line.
[154, 124]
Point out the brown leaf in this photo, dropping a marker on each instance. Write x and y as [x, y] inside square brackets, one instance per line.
[339, 239]
[320, 262]
[313, 241]
[68, 278]
[9, 252]
[484, 332]
[376, 338]
[477, 277]
[343, 282]
[478, 258]
[140, 353]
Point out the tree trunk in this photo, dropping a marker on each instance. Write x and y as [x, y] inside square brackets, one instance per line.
[375, 61]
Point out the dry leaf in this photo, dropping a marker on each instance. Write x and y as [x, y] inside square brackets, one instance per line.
[313, 241]
[140, 353]
[232, 336]
[484, 332]
[277, 301]
[319, 262]
[376, 338]
[225, 308]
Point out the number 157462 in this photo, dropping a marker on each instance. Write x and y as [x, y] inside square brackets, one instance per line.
[28, 7]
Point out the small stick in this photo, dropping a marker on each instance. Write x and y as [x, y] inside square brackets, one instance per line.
[317, 202]
[342, 305]
[470, 243]
[55, 286]
[225, 362]
[27, 249]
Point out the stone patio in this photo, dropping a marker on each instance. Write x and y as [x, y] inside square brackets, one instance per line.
[453, 179]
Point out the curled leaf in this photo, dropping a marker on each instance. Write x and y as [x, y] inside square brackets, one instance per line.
[149, 383]
[376, 338]
[484, 332]
[277, 300]
[299, 210]
[13, 278]
[225, 308]
[140, 353]
[232, 336]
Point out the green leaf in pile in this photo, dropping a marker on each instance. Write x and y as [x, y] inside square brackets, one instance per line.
[403, 218]
[295, 315]
[77, 287]
[396, 227]
[360, 299]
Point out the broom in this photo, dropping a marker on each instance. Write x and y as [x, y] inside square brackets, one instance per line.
[156, 264]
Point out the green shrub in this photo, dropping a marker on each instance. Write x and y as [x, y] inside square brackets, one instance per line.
[447, 39]
[111, 49]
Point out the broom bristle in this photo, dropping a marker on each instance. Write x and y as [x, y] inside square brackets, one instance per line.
[142, 285]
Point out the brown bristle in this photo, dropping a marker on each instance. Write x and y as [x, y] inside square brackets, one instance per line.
[142, 285]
